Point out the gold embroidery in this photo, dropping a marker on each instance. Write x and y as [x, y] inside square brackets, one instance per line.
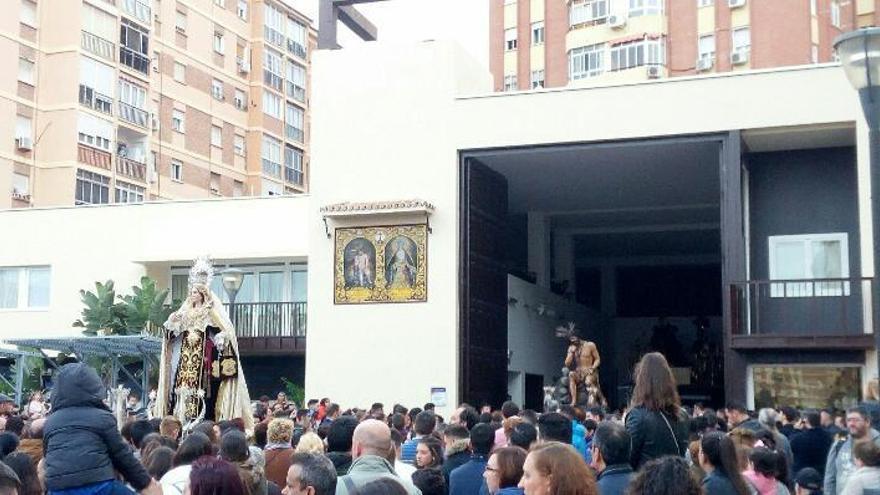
[215, 369]
[189, 372]
[229, 366]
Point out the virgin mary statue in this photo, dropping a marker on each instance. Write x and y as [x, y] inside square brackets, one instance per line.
[200, 377]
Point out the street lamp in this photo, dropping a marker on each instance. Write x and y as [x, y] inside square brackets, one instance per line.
[232, 279]
[859, 54]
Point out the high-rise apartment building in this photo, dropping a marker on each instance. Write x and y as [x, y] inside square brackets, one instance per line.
[119, 101]
[551, 43]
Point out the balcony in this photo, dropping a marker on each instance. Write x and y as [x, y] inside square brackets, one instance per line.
[294, 133]
[269, 327]
[90, 98]
[271, 168]
[293, 175]
[135, 60]
[98, 46]
[296, 48]
[296, 92]
[134, 115]
[815, 313]
[94, 157]
[137, 9]
[131, 168]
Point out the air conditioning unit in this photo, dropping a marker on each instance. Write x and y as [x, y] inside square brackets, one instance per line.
[616, 21]
[24, 143]
[739, 57]
[655, 72]
[736, 3]
[704, 64]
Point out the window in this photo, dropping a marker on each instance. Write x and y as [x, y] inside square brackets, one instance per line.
[294, 123]
[637, 53]
[809, 257]
[806, 386]
[24, 287]
[237, 188]
[132, 94]
[510, 39]
[835, 13]
[271, 155]
[177, 120]
[296, 81]
[240, 99]
[272, 104]
[293, 165]
[92, 188]
[510, 83]
[216, 136]
[23, 126]
[537, 79]
[217, 90]
[741, 40]
[238, 144]
[28, 13]
[706, 48]
[134, 46]
[26, 71]
[242, 9]
[21, 184]
[296, 38]
[95, 132]
[215, 183]
[180, 21]
[538, 33]
[129, 193]
[587, 61]
[588, 12]
[705, 3]
[273, 25]
[96, 85]
[177, 170]
[219, 44]
[179, 72]
[645, 7]
[99, 23]
[272, 74]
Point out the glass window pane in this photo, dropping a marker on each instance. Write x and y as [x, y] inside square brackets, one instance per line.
[246, 293]
[38, 287]
[806, 387]
[271, 286]
[827, 259]
[9, 288]
[178, 287]
[299, 286]
[789, 261]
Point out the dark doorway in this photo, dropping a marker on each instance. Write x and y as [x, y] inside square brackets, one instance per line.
[534, 398]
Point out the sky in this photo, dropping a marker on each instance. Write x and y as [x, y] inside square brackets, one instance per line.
[466, 21]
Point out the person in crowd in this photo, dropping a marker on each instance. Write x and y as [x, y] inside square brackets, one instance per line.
[466, 416]
[383, 486]
[36, 407]
[457, 443]
[15, 424]
[158, 462]
[210, 430]
[667, 475]
[377, 411]
[212, 476]
[83, 447]
[866, 477]
[310, 474]
[430, 481]
[655, 422]
[555, 468]
[310, 442]
[524, 435]
[195, 445]
[423, 426]
[339, 443]
[261, 433]
[840, 464]
[744, 441]
[554, 427]
[763, 471]
[789, 417]
[332, 412]
[872, 400]
[403, 469]
[139, 430]
[429, 453]
[810, 447]
[738, 417]
[485, 418]
[398, 421]
[9, 482]
[509, 410]
[596, 413]
[504, 470]
[808, 481]
[278, 450]
[610, 455]
[693, 459]
[590, 429]
[578, 431]
[282, 406]
[234, 450]
[371, 445]
[467, 479]
[827, 417]
[718, 459]
[26, 471]
[8, 443]
[411, 420]
[170, 427]
[768, 418]
[766, 438]
[7, 405]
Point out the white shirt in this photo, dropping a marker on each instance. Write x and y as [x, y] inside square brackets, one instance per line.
[174, 482]
[404, 470]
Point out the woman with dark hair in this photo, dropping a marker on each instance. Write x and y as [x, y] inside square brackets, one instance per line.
[429, 453]
[212, 476]
[193, 447]
[656, 423]
[158, 461]
[24, 467]
[718, 459]
[555, 468]
[504, 470]
[8, 443]
[668, 475]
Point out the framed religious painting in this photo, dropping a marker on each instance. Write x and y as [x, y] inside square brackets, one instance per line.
[381, 264]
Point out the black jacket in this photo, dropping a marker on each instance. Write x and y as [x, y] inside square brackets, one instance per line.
[454, 461]
[81, 441]
[653, 436]
[341, 461]
[810, 448]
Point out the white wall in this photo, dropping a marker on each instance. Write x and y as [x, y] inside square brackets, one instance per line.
[86, 244]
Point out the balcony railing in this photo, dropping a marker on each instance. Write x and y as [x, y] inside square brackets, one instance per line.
[281, 319]
[273, 36]
[137, 9]
[98, 46]
[271, 168]
[296, 92]
[135, 60]
[95, 100]
[295, 133]
[94, 157]
[293, 175]
[273, 80]
[134, 115]
[801, 308]
[131, 168]
[296, 48]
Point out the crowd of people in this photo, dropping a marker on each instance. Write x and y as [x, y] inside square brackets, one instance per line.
[654, 447]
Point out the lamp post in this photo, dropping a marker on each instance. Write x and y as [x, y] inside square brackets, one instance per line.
[859, 53]
[232, 279]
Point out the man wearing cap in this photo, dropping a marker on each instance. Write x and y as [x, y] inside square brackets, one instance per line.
[807, 481]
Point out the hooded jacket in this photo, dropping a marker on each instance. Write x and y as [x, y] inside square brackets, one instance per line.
[81, 441]
[840, 465]
[368, 468]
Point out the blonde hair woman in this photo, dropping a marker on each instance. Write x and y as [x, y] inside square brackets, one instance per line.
[310, 443]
